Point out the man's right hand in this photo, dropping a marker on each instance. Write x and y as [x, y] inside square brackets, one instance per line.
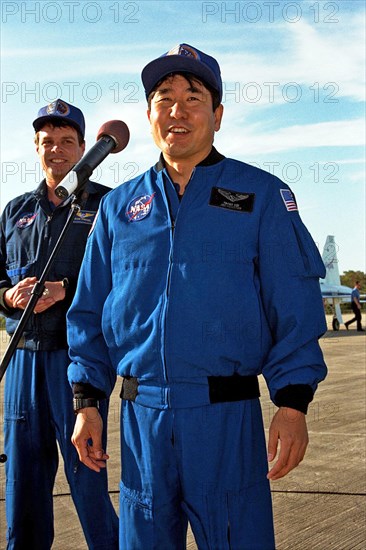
[18, 296]
[89, 426]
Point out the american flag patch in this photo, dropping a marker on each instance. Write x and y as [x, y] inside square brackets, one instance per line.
[288, 199]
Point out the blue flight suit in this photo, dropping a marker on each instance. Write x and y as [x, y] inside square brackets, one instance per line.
[38, 399]
[190, 304]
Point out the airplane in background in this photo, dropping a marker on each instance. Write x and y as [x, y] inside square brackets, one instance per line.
[332, 291]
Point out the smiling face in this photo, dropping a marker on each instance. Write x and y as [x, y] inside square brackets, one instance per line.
[183, 122]
[59, 150]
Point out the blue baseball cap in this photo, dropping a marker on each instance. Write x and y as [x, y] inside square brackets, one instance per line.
[183, 58]
[59, 109]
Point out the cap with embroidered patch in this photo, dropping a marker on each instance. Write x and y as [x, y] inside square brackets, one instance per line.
[182, 58]
[59, 109]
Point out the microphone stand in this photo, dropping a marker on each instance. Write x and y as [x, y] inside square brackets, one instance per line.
[36, 293]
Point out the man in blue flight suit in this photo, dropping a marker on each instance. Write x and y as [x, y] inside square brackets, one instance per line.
[38, 398]
[356, 307]
[183, 292]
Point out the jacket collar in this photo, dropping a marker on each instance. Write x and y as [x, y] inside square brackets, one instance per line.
[212, 158]
[41, 190]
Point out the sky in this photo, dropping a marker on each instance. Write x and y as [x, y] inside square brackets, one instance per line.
[293, 92]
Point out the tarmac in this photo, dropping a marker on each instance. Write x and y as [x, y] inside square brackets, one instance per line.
[321, 505]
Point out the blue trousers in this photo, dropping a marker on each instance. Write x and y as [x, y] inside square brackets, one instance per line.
[37, 413]
[206, 465]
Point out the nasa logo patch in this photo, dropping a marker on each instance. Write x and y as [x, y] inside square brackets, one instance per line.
[26, 220]
[139, 208]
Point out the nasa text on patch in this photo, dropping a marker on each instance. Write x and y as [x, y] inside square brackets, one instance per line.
[232, 200]
[139, 208]
[26, 220]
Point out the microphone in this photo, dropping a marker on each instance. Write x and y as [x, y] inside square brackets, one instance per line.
[113, 136]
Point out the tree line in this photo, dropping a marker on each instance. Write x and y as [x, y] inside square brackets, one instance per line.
[350, 277]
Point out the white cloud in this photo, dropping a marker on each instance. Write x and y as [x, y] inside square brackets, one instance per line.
[325, 134]
[307, 54]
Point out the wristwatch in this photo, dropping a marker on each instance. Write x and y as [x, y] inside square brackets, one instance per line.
[65, 283]
[82, 403]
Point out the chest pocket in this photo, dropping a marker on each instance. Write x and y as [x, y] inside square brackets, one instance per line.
[20, 262]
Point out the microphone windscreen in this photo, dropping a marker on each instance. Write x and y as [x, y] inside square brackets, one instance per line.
[118, 130]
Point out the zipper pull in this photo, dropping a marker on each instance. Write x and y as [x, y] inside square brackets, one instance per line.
[48, 220]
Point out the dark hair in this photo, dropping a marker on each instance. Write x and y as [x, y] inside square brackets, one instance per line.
[191, 78]
[60, 123]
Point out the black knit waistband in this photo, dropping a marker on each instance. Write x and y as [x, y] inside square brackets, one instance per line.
[220, 388]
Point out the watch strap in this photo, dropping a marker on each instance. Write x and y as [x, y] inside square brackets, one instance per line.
[65, 283]
[83, 403]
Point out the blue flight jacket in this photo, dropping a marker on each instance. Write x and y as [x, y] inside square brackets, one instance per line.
[224, 281]
[29, 229]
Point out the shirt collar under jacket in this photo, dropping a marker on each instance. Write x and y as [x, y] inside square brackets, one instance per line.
[212, 158]
[41, 190]
[41, 193]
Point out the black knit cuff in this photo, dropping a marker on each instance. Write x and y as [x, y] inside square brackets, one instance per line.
[296, 396]
[87, 391]
[3, 306]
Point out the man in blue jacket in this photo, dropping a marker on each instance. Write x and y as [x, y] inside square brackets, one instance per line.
[356, 307]
[38, 398]
[184, 292]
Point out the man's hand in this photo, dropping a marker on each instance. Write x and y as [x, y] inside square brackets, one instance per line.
[89, 426]
[289, 427]
[53, 292]
[19, 295]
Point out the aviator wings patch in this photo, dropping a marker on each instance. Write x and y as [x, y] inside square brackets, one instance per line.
[232, 200]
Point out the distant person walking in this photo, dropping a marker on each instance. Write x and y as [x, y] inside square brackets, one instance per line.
[356, 307]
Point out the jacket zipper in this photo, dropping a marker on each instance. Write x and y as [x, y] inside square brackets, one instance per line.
[47, 224]
[173, 223]
[41, 253]
[167, 290]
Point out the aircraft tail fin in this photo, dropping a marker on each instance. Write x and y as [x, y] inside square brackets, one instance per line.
[330, 261]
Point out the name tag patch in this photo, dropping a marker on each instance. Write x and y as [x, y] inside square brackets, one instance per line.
[232, 200]
[86, 217]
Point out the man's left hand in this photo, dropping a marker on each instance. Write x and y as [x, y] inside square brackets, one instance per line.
[289, 427]
[53, 292]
